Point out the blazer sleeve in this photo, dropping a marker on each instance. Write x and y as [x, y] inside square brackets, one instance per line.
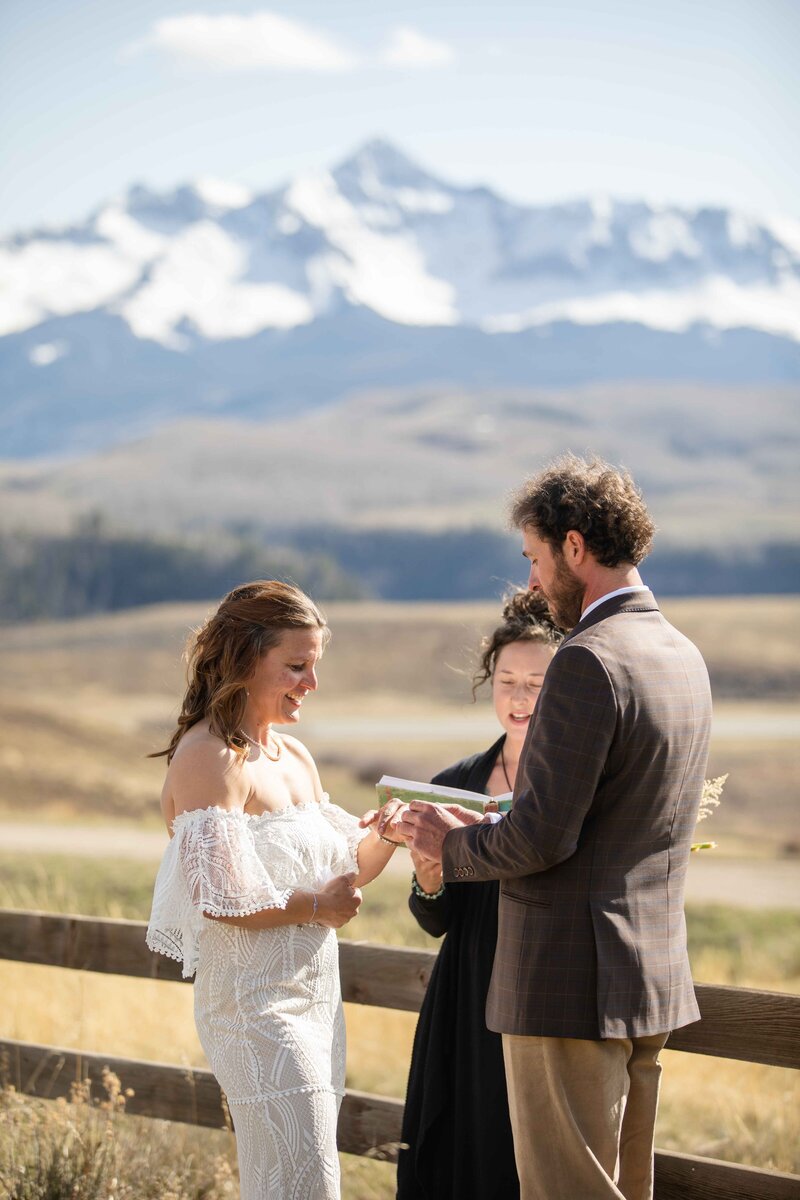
[563, 761]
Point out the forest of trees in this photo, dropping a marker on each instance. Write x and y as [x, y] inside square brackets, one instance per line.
[476, 564]
[94, 569]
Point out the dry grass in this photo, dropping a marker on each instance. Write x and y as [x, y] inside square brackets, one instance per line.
[122, 670]
[86, 1149]
[81, 703]
[738, 1111]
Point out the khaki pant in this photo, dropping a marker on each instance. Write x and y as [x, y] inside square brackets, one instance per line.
[583, 1115]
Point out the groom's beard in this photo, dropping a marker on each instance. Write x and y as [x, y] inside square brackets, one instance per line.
[565, 596]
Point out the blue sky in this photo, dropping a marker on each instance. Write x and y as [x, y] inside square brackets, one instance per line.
[690, 102]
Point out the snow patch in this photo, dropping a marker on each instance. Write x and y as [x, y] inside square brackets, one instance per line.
[131, 238]
[387, 273]
[47, 352]
[663, 236]
[602, 211]
[42, 279]
[717, 301]
[408, 199]
[288, 224]
[742, 231]
[785, 230]
[315, 198]
[221, 194]
[199, 280]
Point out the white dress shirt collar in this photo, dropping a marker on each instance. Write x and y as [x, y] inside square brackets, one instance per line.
[639, 587]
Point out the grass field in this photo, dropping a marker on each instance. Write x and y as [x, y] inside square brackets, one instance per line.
[739, 1111]
[82, 703]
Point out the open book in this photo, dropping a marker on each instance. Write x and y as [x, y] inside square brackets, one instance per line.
[389, 788]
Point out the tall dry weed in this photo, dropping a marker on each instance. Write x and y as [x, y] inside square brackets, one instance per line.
[78, 1149]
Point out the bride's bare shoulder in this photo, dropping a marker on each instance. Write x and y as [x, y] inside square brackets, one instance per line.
[296, 748]
[304, 762]
[205, 772]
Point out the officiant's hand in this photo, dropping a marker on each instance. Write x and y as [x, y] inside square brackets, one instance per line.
[428, 873]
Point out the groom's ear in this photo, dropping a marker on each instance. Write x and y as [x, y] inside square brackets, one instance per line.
[574, 548]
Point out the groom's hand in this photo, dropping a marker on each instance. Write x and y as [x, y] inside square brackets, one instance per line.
[425, 826]
[384, 820]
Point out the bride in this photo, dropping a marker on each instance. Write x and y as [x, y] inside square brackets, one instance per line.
[260, 870]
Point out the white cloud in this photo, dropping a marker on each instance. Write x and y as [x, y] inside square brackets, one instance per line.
[262, 40]
[267, 41]
[409, 48]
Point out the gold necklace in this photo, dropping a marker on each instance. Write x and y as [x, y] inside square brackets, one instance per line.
[262, 747]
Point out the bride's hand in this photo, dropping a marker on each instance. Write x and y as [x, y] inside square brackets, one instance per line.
[338, 902]
[383, 821]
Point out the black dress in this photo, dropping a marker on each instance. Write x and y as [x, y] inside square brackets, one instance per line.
[456, 1120]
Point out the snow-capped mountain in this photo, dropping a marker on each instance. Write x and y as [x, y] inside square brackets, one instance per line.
[212, 299]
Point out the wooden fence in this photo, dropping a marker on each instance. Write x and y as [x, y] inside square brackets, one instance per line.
[738, 1023]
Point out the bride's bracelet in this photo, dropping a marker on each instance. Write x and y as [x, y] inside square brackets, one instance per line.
[314, 906]
[419, 891]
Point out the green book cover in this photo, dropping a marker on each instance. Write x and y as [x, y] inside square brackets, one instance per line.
[391, 788]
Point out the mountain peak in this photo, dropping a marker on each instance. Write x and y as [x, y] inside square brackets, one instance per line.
[380, 160]
[382, 234]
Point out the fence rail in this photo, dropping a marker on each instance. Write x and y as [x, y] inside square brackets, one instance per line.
[739, 1023]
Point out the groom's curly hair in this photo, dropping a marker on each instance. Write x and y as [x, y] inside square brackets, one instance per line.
[601, 502]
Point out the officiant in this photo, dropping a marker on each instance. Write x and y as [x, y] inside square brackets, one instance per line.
[456, 1123]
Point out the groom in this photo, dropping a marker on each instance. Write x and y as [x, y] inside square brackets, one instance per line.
[591, 971]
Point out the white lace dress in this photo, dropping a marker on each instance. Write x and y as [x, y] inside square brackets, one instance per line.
[267, 1002]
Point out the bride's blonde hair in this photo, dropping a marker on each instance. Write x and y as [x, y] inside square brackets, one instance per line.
[222, 655]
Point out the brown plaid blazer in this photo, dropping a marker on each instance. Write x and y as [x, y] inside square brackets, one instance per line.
[592, 857]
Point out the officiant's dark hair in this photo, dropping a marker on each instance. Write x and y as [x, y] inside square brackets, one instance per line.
[526, 618]
[601, 502]
[223, 654]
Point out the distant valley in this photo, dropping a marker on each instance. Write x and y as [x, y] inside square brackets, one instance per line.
[716, 464]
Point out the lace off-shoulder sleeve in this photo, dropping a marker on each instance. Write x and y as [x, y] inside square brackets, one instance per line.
[210, 866]
[347, 826]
